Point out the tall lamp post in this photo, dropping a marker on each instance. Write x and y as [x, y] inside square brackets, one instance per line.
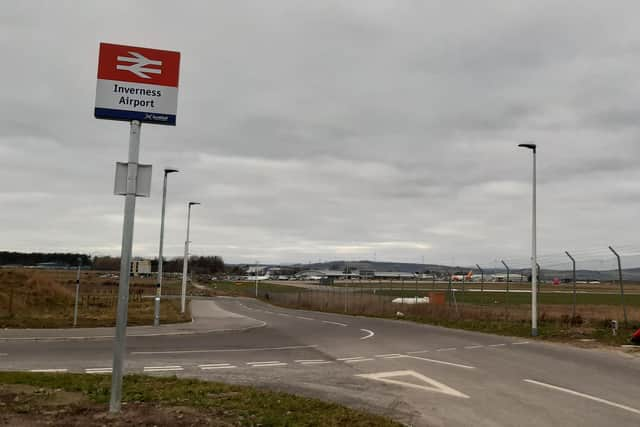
[534, 263]
[156, 317]
[186, 260]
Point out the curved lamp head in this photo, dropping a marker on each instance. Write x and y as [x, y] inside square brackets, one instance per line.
[170, 170]
[529, 146]
[193, 203]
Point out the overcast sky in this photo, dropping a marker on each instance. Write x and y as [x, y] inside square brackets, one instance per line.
[331, 129]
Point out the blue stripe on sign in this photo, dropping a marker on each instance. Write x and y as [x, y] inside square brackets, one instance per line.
[112, 114]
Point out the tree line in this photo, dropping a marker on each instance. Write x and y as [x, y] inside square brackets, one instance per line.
[35, 258]
[197, 264]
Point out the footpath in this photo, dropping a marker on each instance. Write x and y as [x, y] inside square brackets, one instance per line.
[207, 317]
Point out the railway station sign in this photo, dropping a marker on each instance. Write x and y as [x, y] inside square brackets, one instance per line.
[136, 83]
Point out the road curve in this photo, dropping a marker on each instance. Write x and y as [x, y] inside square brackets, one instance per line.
[418, 374]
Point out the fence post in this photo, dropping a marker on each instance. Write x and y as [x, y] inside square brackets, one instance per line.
[506, 298]
[449, 290]
[481, 284]
[573, 262]
[624, 309]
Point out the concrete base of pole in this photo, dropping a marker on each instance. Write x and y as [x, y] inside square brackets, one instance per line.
[534, 332]
[156, 318]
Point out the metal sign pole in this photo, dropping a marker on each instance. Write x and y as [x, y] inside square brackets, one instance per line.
[125, 266]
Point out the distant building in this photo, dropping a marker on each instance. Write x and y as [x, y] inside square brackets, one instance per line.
[140, 267]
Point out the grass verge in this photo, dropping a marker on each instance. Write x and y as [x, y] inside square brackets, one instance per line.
[81, 399]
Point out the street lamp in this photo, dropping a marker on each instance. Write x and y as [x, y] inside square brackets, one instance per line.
[186, 260]
[534, 263]
[156, 317]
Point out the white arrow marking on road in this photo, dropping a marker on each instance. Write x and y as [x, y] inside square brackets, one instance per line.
[433, 385]
[138, 64]
[442, 362]
[369, 334]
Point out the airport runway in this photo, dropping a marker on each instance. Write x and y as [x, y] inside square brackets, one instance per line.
[418, 374]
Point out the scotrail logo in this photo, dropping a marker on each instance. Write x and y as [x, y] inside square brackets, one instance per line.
[138, 64]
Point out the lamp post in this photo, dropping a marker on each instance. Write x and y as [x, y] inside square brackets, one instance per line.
[156, 317]
[534, 263]
[186, 260]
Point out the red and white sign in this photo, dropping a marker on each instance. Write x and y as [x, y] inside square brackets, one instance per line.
[137, 83]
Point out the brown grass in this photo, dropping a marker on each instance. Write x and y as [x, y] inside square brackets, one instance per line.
[45, 299]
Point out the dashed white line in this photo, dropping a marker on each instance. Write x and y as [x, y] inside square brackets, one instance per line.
[98, 370]
[304, 318]
[418, 352]
[211, 366]
[446, 349]
[388, 355]
[283, 314]
[520, 343]
[442, 362]
[334, 323]
[342, 359]
[471, 347]
[366, 359]
[318, 362]
[496, 345]
[162, 368]
[369, 334]
[266, 364]
[3, 354]
[48, 370]
[584, 395]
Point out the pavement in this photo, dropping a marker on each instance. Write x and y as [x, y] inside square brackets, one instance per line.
[418, 374]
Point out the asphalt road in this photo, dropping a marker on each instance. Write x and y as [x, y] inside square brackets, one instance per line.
[417, 374]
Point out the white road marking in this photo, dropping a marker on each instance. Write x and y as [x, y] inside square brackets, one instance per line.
[442, 362]
[584, 395]
[471, 347]
[3, 354]
[304, 318]
[418, 352]
[433, 385]
[308, 360]
[283, 314]
[98, 370]
[162, 368]
[266, 361]
[496, 345]
[317, 362]
[334, 323]
[342, 359]
[266, 364]
[387, 355]
[216, 366]
[48, 370]
[369, 334]
[358, 360]
[446, 349]
[290, 347]
[520, 343]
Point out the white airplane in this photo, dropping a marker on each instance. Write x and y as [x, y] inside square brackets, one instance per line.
[462, 277]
